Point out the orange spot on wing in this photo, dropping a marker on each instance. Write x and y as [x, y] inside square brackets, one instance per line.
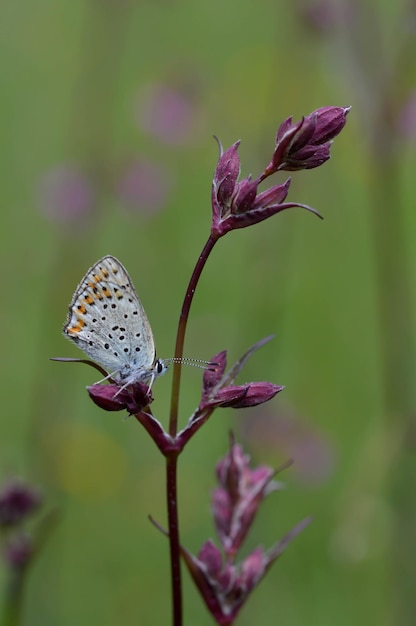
[89, 299]
[73, 330]
[95, 279]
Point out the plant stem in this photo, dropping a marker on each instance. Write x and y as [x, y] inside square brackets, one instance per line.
[180, 336]
[13, 601]
[172, 506]
[172, 458]
[398, 351]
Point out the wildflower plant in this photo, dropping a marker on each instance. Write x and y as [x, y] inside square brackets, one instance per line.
[20, 541]
[223, 582]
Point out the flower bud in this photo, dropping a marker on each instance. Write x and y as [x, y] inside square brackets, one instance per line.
[306, 144]
[18, 551]
[114, 398]
[17, 502]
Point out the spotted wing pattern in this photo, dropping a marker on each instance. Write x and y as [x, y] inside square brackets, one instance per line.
[107, 321]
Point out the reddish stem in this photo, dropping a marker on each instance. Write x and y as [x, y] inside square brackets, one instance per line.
[172, 506]
[180, 337]
[171, 459]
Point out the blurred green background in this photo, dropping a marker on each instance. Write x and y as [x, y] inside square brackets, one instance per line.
[107, 114]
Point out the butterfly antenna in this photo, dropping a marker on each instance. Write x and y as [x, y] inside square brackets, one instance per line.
[205, 365]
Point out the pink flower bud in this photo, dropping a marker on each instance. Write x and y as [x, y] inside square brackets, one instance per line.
[306, 144]
[18, 551]
[218, 390]
[223, 584]
[225, 178]
[298, 146]
[17, 501]
[236, 501]
[113, 398]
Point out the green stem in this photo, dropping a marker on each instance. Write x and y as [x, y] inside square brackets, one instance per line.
[13, 598]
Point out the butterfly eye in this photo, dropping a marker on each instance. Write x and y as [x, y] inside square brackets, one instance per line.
[159, 367]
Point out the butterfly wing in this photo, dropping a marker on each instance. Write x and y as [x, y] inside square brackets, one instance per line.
[107, 321]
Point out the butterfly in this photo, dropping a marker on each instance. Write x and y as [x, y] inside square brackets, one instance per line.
[107, 321]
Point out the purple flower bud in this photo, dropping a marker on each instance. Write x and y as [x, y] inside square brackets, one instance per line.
[225, 179]
[284, 138]
[329, 123]
[217, 390]
[17, 502]
[244, 196]
[301, 145]
[233, 396]
[238, 204]
[225, 587]
[114, 398]
[257, 393]
[243, 396]
[236, 501]
[214, 394]
[272, 197]
[213, 376]
[211, 556]
[306, 144]
[18, 551]
[252, 569]
[310, 157]
[223, 584]
[302, 132]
